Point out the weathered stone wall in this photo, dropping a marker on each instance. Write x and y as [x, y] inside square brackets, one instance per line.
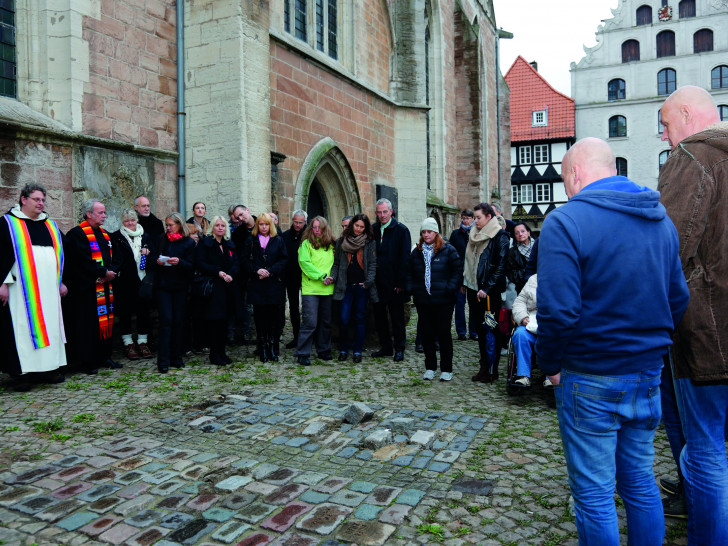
[373, 43]
[131, 92]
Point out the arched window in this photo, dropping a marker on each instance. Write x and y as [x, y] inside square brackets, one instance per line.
[617, 126]
[644, 15]
[665, 43]
[719, 77]
[666, 81]
[630, 51]
[663, 157]
[8, 77]
[686, 8]
[723, 111]
[621, 166]
[325, 17]
[703, 40]
[616, 89]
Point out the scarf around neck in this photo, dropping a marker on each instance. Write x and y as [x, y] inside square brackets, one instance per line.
[352, 244]
[427, 252]
[478, 240]
[134, 238]
[104, 299]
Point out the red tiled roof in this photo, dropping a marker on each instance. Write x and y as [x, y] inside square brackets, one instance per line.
[531, 92]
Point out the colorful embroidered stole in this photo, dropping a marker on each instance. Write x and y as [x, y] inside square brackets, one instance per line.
[105, 311]
[28, 275]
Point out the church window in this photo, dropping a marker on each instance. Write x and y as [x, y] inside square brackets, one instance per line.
[324, 18]
[703, 40]
[326, 27]
[644, 15]
[686, 8]
[616, 89]
[621, 166]
[543, 193]
[541, 153]
[617, 126]
[524, 155]
[8, 75]
[665, 42]
[666, 81]
[719, 77]
[630, 51]
[540, 118]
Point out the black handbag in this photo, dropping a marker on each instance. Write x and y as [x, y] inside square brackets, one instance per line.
[201, 286]
[146, 287]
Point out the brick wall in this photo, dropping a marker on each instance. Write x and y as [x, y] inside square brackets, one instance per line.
[131, 92]
[374, 44]
[308, 104]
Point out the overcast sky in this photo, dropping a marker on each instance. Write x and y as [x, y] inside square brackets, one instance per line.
[550, 33]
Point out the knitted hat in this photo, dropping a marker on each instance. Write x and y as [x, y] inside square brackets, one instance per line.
[429, 224]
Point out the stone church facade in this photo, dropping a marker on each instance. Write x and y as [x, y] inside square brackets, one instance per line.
[324, 105]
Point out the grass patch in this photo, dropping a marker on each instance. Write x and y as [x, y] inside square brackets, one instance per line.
[83, 417]
[46, 427]
[432, 529]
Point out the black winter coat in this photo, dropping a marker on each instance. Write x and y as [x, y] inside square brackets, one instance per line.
[459, 239]
[392, 257]
[271, 290]
[446, 273]
[175, 278]
[492, 264]
[210, 259]
[516, 267]
[153, 227]
[293, 238]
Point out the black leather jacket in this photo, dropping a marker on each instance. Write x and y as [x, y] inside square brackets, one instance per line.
[492, 264]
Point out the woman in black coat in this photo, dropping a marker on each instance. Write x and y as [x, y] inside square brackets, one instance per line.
[216, 258]
[265, 260]
[434, 276]
[174, 264]
[133, 246]
[518, 256]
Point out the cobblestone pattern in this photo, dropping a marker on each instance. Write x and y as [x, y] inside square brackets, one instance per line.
[117, 459]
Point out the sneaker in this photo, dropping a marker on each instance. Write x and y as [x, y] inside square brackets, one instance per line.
[547, 383]
[445, 376]
[523, 381]
[671, 487]
[675, 507]
[429, 374]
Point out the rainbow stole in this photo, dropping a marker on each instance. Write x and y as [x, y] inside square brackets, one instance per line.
[103, 310]
[28, 275]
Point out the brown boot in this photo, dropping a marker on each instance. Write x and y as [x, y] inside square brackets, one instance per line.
[131, 352]
[144, 351]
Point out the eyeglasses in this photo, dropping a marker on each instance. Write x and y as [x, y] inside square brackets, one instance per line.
[37, 199]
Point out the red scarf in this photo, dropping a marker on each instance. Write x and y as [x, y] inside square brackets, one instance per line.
[104, 302]
[174, 237]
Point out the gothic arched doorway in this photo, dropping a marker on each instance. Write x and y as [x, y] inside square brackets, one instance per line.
[326, 184]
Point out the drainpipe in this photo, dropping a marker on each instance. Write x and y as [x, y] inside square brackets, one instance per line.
[181, 185]
[506, 36]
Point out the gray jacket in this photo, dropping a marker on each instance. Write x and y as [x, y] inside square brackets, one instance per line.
[341, 263]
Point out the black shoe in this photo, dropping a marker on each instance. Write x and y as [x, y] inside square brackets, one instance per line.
[225, 358]
[178, 365]
[92, 371]
[382, 352]
[113, 365]
[462, 337]
[163, 369]
[474, 337]
[54, 378]
[418, 348]
[399, 356]
[356, 359]
[675, 507]
[292, 344]
[304, 361]
[343, 356]
[275, 349]
[22, 386]
[326, 355]
[671, 487]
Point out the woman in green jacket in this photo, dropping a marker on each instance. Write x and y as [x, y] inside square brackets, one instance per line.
[316, 258]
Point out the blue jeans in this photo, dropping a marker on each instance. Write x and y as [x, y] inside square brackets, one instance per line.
[670, 414]
[460, 316]
[703, 460]
[607, 429]
[523, 342]
[355, 299]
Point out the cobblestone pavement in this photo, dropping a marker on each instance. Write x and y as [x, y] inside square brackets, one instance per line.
[276, 453]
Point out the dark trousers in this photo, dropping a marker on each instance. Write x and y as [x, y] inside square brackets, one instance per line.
[133, 304]
[316, 324]
[477, 312]
[293, 291]
[354, 303]
[395, 308]
[267, 319]
[217, 334]
[434, 323]
[171, 326]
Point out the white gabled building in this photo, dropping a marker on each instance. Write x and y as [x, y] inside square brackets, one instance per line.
[643, 53]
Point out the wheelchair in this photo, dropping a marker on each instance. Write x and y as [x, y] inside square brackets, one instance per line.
[516, 389]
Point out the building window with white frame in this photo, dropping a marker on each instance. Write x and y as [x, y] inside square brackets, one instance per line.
[514, 195]
[524, 155]
[543, 193]
[540, 118]
[526, 193]
[540, 153]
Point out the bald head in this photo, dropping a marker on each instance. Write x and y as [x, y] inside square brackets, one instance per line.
[687, 111]
[587, 161]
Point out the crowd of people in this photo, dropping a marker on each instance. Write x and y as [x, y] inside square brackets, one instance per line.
[621, 354]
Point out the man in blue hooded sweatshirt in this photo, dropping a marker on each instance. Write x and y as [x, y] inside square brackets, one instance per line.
[610, 293]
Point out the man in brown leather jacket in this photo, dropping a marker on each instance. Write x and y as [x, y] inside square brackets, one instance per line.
[694, 188]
